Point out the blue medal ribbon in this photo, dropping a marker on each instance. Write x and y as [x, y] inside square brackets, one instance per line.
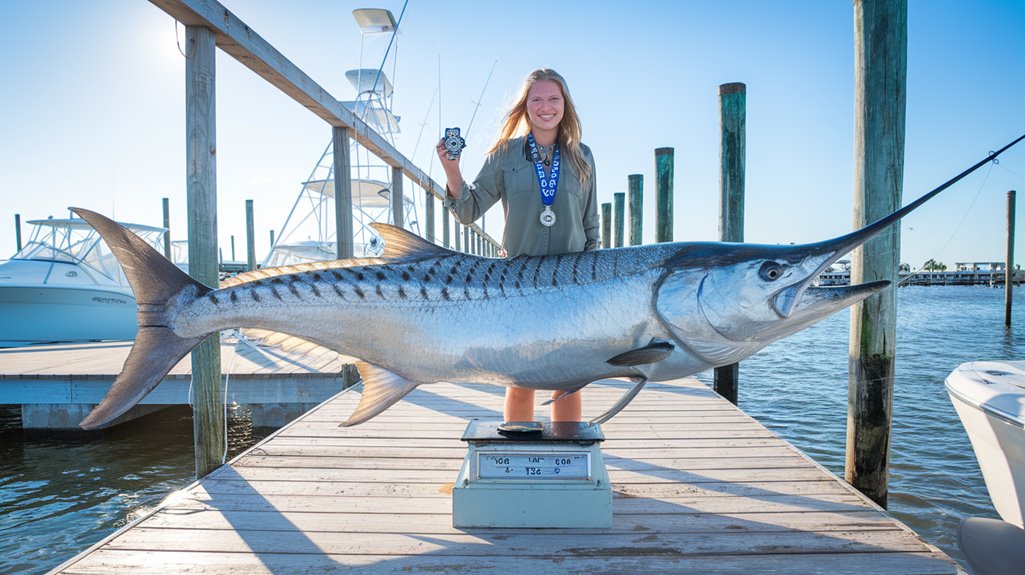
[550, 185]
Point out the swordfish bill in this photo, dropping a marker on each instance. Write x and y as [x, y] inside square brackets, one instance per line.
[422, 314]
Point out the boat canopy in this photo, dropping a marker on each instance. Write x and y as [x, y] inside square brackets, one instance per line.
[366, 193]
[370, 81]
[374, 20]
[76, 242]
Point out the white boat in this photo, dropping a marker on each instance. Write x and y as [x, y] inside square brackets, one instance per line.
[989, 397]
[64, 285]
[308, 233]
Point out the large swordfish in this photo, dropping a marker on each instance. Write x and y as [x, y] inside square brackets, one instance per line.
[422, 314]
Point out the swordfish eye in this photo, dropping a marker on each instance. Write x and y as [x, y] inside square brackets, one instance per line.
[771, 271]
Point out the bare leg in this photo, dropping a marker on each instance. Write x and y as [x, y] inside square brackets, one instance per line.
[519, 404]
[568, 408]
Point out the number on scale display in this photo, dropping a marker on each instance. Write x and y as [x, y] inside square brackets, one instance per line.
[533, 466]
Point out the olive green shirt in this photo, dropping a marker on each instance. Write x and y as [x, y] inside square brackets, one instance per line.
[509, 175]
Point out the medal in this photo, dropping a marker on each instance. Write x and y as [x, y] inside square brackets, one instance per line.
[548, 186]
[548, 217]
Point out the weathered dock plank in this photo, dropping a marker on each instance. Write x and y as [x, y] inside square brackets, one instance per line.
[56, 385]
[698, 486]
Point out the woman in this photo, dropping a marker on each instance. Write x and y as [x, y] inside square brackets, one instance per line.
[545, 179]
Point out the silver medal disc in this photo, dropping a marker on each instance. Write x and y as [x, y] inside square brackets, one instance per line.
[548, 217]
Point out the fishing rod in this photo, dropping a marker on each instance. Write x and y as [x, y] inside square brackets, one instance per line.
[479, 98]
[991, 157]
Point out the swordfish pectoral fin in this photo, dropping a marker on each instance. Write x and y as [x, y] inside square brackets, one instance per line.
[654, 352]
[623, 401]
[381, 390]
[565, 394]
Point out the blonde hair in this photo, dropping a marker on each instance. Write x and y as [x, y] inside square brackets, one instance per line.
[517, 123]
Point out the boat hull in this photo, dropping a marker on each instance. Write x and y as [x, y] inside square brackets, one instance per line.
[45, 314]
[989, 397]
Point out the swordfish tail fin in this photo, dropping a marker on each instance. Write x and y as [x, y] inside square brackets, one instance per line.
[159, 286]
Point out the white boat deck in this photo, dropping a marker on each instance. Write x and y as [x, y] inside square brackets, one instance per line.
[698, 487]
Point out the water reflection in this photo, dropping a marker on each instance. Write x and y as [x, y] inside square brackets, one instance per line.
[61, 492]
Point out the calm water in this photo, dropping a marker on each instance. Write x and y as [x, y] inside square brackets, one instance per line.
[798, 388]
[60, 494]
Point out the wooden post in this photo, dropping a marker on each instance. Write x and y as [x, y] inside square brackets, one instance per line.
[201, 191]
[664, 194]
[272, 238]
[343, 192]
[606, 225]
[17, 231]
[619, 219]
[398, 216]
[446, 239]
[429, 214]
[1009, 272]
[167, 226]
[250, 237]
[880, 66]
[636, 186]
[233, 259]
[732, 150]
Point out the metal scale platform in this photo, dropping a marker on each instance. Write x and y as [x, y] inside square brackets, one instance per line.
[533, 477]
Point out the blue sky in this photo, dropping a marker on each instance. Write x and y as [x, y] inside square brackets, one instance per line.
[92, 110]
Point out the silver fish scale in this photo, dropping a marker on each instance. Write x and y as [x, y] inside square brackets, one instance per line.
[446, 310]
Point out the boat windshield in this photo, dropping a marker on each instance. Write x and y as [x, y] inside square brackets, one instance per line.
[76, 242]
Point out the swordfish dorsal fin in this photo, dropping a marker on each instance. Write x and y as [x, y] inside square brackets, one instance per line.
[381, 390]
[401, 245]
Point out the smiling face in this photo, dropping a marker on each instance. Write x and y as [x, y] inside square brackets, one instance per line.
[545, 107]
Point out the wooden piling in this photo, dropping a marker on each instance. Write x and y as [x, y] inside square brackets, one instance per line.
[664, 160]
[619, 219]
[342, 157]
[636, 186]
[446, 239]
[233, 259]
[880, 64]
[17, 231]
[201, 191]
[429, 215]
[606, 225]
[1009, 272]
[397, 199]
[250, 237]
[167, 226]
[732, 155]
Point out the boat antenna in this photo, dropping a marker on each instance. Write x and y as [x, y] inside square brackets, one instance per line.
[481, 97]
[387, 50]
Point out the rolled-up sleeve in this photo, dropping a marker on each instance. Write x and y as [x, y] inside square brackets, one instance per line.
[474, 200]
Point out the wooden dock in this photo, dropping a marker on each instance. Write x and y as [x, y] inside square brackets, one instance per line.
[57, 385]
[698, 486]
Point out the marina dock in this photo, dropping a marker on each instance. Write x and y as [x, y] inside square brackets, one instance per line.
[57, 385]
[698, 487]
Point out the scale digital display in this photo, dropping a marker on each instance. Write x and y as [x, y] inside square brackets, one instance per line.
[518, 465]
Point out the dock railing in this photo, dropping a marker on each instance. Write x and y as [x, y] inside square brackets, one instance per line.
[209, 25]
